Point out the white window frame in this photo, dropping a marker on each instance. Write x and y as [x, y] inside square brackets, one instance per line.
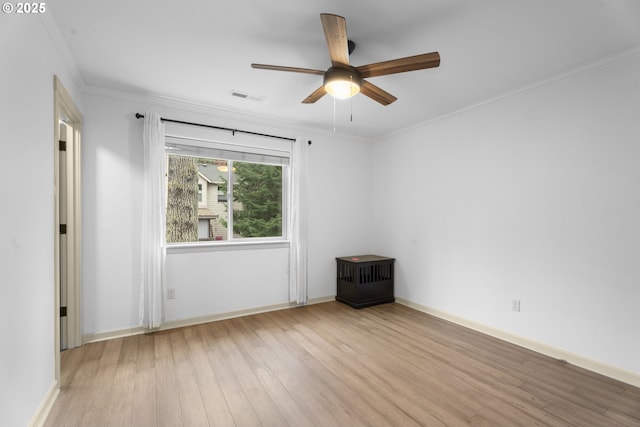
[198, 147]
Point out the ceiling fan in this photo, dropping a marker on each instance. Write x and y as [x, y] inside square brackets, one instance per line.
[343, 80]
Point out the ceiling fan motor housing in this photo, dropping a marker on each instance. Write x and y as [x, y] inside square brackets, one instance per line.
[348, 76]
[343, 73]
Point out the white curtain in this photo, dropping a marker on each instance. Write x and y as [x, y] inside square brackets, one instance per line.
[153, 223]
[298, 223]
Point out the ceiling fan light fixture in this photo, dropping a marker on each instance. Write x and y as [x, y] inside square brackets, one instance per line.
[342, 83]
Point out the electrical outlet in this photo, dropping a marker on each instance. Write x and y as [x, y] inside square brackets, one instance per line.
[171, 293]
[515, 305]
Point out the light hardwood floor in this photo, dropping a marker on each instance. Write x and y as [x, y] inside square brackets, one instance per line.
[330, 365]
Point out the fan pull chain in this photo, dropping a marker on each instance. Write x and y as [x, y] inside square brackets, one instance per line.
[334, 115]
[351, 100]
[351, 113]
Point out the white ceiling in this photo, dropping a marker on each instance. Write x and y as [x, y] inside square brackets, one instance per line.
[201, 50]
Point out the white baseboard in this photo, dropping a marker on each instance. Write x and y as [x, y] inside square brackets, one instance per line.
[222, 316]
[110, 335]
[625, 376]
[321, 300]
[42, 413]
[103, 336]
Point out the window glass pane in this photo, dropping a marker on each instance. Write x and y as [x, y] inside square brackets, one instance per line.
[190, 180]
[257, 200]
[201, 191]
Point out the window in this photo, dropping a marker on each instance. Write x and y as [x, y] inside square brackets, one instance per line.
[216, 194]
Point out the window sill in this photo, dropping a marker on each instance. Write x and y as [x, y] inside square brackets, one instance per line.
[178, 248]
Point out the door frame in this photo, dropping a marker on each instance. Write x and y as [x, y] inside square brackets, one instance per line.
[65, 110]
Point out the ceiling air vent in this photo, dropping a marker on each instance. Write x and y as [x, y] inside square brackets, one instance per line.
[243, 95]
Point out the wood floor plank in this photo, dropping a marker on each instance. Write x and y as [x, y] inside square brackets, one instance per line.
[69, 360]
[403, 365]
[129, 350]
[472, 374]
[309, 390]
[293, 413]
[99, 397]
[330, 351]
[425, 381]
[120, 407]
[144, 403]
[577, 415]
[167, 397]
[608, 400]
[290, 363]
[621, 419]
[215, 405]
[243, 369]
[347, 384]
[331, 365]
[237, 400]
[191, 405]
[74, 395]
[383, 374]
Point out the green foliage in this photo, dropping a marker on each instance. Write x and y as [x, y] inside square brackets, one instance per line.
[258, 190]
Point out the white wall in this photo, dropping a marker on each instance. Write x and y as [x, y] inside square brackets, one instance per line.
[534, 196]
[29, 61]
[210, 282]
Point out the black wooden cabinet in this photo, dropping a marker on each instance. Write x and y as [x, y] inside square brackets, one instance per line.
[364, 280]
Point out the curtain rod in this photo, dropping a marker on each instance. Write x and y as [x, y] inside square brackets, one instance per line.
[233, 131]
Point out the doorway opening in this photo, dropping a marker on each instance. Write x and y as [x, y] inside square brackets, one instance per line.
[67, 220]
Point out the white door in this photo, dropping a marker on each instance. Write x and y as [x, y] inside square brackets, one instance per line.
[63, 199]
[68, 227]
[68, 212]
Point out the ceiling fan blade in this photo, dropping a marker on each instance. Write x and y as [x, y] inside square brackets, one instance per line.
[335, 31]
[291, 69]
[400, 65]
[316, 95]
[375, 93]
